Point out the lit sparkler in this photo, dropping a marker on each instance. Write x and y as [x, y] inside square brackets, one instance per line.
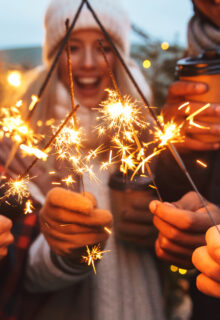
[93, 255]
[69, 180]
[28, 150]
[171, 133]
[17, 188]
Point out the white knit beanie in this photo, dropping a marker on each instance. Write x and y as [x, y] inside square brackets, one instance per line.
[110, 12]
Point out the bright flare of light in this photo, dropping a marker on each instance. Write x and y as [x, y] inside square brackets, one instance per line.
[92, 154]
[146, 64]
[191, 116]
[14, 78]
[13, 126]
[171, 133]
[201, 163]
[117, 113]
[182, 271]
[68, 139]
[35, 99]
[18, 188]
[165, 45]
[69, 180]
[173, 268]
[34, 151]
[184, 105]
[93, 255]
[28, 207]
[108, 230]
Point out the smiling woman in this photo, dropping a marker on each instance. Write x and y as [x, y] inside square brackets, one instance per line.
[88, 67]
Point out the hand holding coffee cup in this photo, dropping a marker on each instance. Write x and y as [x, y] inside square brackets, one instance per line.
[202, 74]
[133, 221]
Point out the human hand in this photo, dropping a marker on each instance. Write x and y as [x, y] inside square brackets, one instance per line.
[6, 237]
[178, 93]
[207, 260]
[70, 221]
[182, 226]
[134, 224]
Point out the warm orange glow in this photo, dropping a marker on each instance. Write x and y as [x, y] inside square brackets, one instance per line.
[14, 78]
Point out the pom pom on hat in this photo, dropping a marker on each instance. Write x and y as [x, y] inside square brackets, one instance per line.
[110, 12]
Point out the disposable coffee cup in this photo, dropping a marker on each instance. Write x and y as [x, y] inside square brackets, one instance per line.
[123, 191]
[206, 69]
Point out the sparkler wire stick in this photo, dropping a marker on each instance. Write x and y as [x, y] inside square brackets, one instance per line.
[172, 149]
[25, 173]
[183, 167]
[109, 70]
[70, 115]
[56, 59]
[139, 146]
[71, 87]
[49, 74]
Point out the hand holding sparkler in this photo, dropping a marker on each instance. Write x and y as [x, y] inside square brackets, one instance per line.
[195, 128]
[182, 226]
[6, 237]
[70, 221]
[207, 260]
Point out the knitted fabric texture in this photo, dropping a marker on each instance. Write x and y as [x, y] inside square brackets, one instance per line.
[111, 14]
[202, 36]
[127, 285]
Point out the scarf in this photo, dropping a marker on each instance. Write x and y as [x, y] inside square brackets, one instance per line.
[202, 35]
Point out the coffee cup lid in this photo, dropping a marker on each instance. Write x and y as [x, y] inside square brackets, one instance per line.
[121, 182]
[206, 63]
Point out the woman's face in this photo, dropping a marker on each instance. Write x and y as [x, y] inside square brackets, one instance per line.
[210, 8]
[90, 73]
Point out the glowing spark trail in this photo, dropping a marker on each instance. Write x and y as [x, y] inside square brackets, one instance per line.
[18, 188]
[93, 255]
[201, 163]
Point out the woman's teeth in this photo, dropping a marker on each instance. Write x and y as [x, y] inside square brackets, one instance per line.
[87, 80]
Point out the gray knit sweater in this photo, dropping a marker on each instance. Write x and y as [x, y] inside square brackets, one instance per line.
[126, 286]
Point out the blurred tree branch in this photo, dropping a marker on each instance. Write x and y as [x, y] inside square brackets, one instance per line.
[162, 71]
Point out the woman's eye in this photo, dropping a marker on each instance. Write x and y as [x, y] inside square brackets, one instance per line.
[74, 48]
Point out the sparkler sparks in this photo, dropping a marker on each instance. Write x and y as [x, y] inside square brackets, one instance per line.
[34, 151]
[28, 207]
[171, 133]
[68, 139]
[13, 126]
[93, 255]
[69, 180]
[18, 188]
[120, 113]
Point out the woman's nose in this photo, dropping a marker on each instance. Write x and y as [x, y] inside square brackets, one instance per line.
[89, 60]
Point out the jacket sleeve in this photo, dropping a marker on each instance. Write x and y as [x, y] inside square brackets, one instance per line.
[47, 271]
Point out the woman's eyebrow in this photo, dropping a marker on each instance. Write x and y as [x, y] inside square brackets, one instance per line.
[74, 40]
